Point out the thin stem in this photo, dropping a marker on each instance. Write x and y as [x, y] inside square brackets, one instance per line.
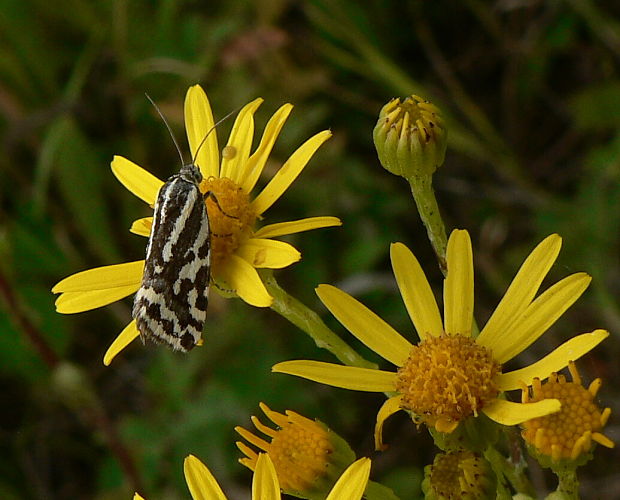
[502, 471]
[424, 195]
[310, 322]
[568, 483]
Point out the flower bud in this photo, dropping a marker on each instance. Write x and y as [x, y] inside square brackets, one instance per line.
[410, 137]
[460, 474]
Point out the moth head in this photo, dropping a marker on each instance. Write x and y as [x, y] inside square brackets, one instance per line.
[191, 173]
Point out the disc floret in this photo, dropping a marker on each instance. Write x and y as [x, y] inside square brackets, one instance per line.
[447, 379]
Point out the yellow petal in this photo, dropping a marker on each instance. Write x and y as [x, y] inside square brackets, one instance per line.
[265, 484]
[240, 138]
[365, 325]
[352, 484]
[241, 277]
[76, 302]
[571, 350]
[458, 287]
[254, 440]
[540, 315]
[141, 183]
[521, 291]
[250, 455]
[270, 254]
[256, 163]
[136, 496]
[126, 337]
[391, 406]
[416, 292]
[296, 226]
[345, 377]
[288, 172]
[509, 413]
[201, 483]
[142, 227]
[199, 123]
[100, 278]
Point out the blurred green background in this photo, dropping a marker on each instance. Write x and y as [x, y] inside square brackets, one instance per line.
[531, 94]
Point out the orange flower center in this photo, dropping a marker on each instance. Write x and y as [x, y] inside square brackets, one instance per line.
[568, 433]
[231, 219]
[447, 379]
[301, 451]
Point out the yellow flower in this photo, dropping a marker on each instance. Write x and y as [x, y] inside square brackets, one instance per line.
[567, 435]
[452, 375]
[307, 456]
[238, 247]
[203, 486]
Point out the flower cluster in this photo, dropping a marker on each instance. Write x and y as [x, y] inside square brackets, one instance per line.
[451, 380]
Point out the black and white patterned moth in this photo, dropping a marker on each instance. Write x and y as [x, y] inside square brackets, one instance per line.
[171, 305]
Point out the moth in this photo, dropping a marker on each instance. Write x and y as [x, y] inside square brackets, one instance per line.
[171, 305]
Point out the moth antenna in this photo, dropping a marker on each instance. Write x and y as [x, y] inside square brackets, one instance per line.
[176, 144]
[211, 130]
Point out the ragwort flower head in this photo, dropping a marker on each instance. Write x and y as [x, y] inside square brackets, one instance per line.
[307, 456]
[238, 246]
[566, 438]
[450, 375]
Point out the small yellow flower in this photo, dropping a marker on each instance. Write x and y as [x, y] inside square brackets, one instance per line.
[203, 486]
[452, 375]
[239, 248]
[307, 456]
[459, 475]
[567, 435]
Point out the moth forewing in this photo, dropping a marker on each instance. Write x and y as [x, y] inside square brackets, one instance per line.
[171, 305]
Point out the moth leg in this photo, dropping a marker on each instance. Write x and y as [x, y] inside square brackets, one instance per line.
[211, 194]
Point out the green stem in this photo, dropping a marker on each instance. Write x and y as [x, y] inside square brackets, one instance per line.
[424, 195]
[310, 322]
[502, 472]
[568, 484]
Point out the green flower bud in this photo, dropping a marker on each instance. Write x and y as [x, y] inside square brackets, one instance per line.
[460, 474]
[410, 137]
